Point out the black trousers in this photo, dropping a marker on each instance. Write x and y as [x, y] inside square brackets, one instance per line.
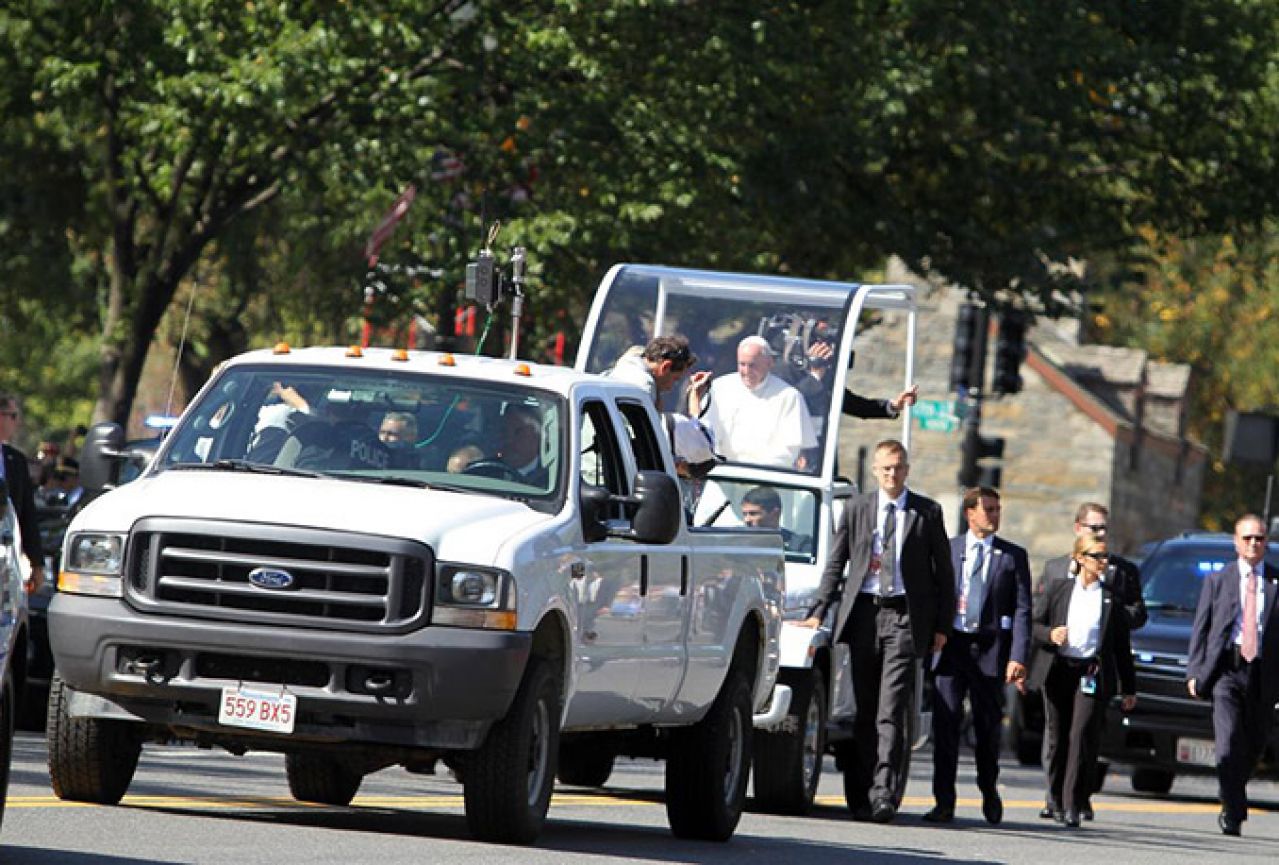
[1240, 723]
[1072, 730]
[965, 678]
[884, 667]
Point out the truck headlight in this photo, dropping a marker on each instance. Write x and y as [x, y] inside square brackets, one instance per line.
[472, 597]
[92, 565]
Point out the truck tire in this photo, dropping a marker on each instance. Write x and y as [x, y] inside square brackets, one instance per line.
[1147, 779]
[507, 783]
[585, 765]
[90, 759]
[788, 762]
[317, 778]
[709, 764]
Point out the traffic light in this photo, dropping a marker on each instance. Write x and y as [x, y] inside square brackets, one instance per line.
[969, 349]
[1010, 351]
[977, 447]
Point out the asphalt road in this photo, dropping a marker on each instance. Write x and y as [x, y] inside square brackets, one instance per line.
[209, 808]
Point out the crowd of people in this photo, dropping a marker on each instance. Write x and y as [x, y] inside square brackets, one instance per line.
[900, 593]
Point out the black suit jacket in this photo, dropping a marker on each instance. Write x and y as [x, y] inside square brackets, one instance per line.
[1211, 639]
[1003, 631]
[1122, 579]
[1114, 649]
[22, 494]
[924, 565]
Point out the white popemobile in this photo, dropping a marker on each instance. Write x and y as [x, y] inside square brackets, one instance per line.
[813, 328]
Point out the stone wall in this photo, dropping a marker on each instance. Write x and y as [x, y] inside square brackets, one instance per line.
[1056, 456]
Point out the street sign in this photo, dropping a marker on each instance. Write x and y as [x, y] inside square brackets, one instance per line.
[939, 424]
[936, 415]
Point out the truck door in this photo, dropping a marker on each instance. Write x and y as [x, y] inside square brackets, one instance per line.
[609, 621]
[664, 576]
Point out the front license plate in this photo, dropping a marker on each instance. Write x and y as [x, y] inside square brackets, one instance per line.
[1196, 752]
[258, 710]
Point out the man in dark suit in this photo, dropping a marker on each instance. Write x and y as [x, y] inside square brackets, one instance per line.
[990, 646]
[1234, 661]
[899, 605]
[16, 474]
[1122, 580]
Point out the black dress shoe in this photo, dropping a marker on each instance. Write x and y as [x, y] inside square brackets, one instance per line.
[992, 808]
[940, 815]
[1059, 815]
[1048, 812]
[1086, 812]
[883, 811]
[861, 813]
[1229, 825]
[1071, 819]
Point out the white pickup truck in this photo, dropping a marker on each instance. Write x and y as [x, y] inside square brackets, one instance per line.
[815, 328]
[370, 558]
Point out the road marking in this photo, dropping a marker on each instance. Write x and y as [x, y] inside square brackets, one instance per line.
[605, 800]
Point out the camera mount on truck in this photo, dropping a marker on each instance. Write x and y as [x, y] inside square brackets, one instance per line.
[487, 284]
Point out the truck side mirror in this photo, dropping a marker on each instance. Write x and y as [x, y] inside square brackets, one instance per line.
[101, 457]
[660, 509]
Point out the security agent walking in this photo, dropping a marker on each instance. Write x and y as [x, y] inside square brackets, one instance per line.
[1122, 580]
[900, 605]
[1082, 658]
[989, 647]
[1234, 661]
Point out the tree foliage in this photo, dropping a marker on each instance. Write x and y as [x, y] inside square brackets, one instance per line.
[255, 144]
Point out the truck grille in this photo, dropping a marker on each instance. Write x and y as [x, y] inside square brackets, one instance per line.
[337, 580]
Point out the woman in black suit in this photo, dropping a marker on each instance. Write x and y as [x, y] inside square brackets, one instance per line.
[1082, 657]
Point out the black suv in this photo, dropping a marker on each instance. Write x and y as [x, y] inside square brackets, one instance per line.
[1169, 733]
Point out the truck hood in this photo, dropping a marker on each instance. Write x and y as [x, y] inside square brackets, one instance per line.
[470, 522]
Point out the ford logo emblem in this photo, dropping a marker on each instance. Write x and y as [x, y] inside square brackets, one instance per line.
[271, 578]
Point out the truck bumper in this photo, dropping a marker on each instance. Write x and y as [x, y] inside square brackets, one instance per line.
[435, 687]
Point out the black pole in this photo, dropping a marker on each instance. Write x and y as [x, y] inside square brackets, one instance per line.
[1270, 485]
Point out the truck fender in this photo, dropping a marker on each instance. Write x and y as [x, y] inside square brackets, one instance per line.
[800, 645]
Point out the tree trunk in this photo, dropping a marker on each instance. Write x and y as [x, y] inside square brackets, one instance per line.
[125, 346]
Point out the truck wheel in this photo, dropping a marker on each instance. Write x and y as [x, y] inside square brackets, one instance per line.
[788, 762]
[90, 759]
[1150, 780]
[326, 780]
[585, 765]
[708, 765]
[507, 783]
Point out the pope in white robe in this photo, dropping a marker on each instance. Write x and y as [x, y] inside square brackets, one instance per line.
[754, 415]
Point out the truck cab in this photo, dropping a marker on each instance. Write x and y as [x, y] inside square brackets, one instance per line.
[815, 329]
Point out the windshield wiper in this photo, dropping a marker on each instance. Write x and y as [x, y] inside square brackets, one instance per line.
[249, 466]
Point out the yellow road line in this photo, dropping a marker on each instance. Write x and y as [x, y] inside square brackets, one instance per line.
[428, 802]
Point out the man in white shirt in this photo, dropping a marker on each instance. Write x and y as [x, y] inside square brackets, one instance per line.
[754, 416]
[1234, 662]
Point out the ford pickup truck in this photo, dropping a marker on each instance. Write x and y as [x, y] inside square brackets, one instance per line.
[368, 558]
[14, 634]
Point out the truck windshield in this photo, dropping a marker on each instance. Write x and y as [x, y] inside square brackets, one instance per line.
[375, 426]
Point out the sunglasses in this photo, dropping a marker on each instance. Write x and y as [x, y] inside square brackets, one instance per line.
[1256, 539]
[1095, 528]
[1100, 557]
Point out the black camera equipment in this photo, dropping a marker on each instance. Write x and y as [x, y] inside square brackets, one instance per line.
[487, 284]
[791, 336]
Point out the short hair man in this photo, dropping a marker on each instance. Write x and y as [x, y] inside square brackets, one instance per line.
[1234, 662]
[756, 417]
[1123, 580]
[659, 366]
[899, 605]
[762, 509]
[398, 430]
[990, 646]
[519, 444]
[16, 473]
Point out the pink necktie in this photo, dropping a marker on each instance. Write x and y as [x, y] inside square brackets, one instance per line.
[1248, 644]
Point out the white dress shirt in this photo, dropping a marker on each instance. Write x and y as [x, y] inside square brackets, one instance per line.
[871, 582]
[1083, 621]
